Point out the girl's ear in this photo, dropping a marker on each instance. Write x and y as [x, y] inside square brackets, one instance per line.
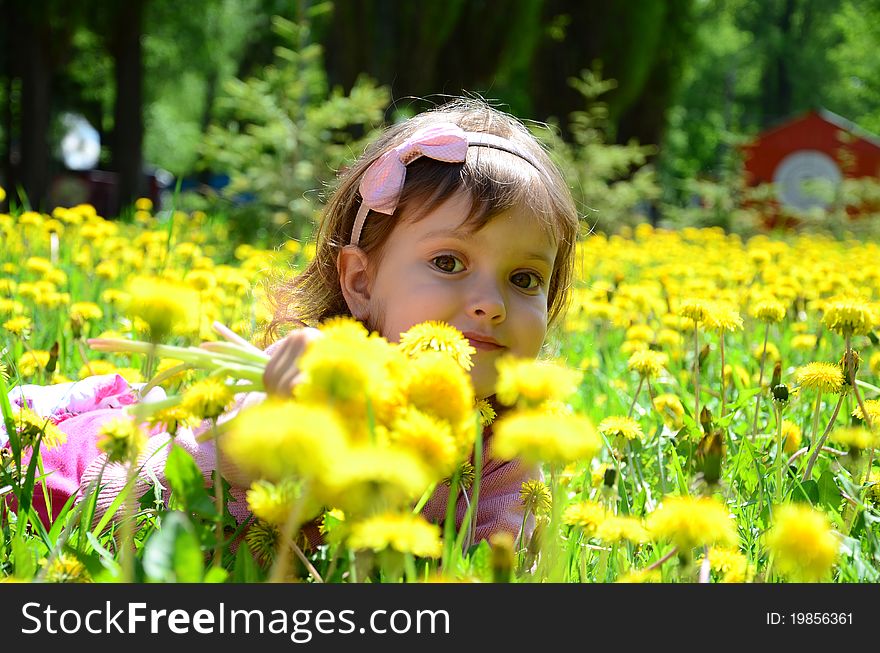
[354, 280]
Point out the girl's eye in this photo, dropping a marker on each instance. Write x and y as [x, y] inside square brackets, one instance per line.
[447, 263]
[526, 280]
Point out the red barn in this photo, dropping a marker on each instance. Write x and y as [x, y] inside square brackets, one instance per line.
[816, 146]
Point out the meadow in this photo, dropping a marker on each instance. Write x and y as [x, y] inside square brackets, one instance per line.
[706, 411]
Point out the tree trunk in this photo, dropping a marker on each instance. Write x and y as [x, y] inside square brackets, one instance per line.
[128, 122]
[36, 87]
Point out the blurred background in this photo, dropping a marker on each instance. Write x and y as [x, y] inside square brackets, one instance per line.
[743, 114]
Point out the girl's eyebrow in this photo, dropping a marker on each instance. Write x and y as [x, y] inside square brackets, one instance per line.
[459, 232]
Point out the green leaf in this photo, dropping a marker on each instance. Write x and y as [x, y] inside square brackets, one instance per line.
[806, 492]
[829, 493]
[481, 561]
[26, 553]
[188, 484]
[245, 569]
[172, 554]
[216, 575]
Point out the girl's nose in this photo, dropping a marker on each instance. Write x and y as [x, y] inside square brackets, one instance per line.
[488, 304]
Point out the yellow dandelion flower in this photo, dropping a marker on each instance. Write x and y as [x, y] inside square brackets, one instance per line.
[437, 336]
[96, 368]
[67, 568]
[849, 316]
[107, 270]
[669, 338]
[619, 529]
[670, 408]
[208, 399]
[622, 427]
[688, 522]
[276, 440]
[121, 439]
[540, 437]
[402, 532]
[439, 386]
[32, 362]
[697, 310]
[632, 346]
[730, 563]
[487, 413]
[854, 437]
[31, 427]
[874, 363]
[535, 496]
[769, 310]
[18, 326]
[791, 436]
[429, 438]
[85, 311]
[802, 542]
[38, 265]
[647, 363]
[872, 407]
[641, 576]
[803, 342]
[586, 515]
[640, 332]
[532, 382]
[824, 377]
[723, 318]
[371, 477]
[273, 503]
[201, 280]
[347, 369]
[143, 204]
[165, 306]
[772, 352]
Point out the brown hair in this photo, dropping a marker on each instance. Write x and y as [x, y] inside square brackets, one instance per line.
[495, 179]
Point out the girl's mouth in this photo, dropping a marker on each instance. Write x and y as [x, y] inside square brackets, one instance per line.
[482, 342]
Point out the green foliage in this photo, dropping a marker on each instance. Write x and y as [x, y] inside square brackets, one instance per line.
[610, 183]
[283, 134]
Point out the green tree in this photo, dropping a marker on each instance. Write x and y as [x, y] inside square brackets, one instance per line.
[283, 134]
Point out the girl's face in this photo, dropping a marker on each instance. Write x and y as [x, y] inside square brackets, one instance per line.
[490, 284]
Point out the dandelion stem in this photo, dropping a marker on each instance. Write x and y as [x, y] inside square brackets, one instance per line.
[696, 373]
[817, 446]
[659, 563]
[218, 498]
[779, 456]
[721, 342]
[760, 382]
[632, 406]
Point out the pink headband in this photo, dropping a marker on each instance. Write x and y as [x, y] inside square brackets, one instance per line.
[382, 182]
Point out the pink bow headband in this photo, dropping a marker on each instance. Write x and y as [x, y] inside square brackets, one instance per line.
[382, 182]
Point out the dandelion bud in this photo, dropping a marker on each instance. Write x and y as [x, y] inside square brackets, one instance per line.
[502, 556]
[850, 365]
[780, 393]
[609, 477]
[777, 375]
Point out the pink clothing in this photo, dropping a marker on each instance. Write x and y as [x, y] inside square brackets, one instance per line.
[79, 409]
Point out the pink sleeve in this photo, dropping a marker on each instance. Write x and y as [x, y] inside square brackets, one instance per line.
[499, 507]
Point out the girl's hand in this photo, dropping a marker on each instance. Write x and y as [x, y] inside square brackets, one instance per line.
[282, 371]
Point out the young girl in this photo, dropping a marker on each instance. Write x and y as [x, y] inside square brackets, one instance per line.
[457, 215]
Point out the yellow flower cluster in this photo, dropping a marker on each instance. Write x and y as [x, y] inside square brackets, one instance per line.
[803, 545]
